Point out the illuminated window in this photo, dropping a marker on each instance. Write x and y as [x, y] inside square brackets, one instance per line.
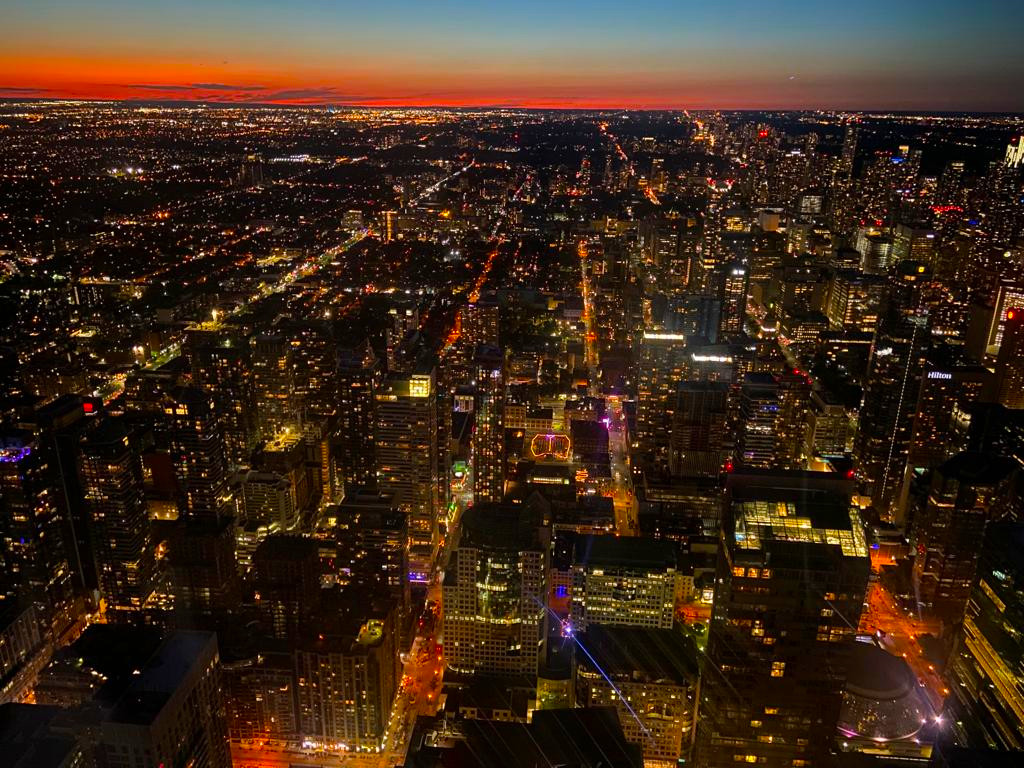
[771, 710]
[738, 570]
[778, 668]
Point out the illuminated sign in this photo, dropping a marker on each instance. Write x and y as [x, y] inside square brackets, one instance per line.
[549, 445]
[939, 375]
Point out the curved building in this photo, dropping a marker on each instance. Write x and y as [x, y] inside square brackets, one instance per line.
[884, 708]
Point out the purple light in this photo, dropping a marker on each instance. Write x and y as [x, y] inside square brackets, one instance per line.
[14, 455]
[418, 578]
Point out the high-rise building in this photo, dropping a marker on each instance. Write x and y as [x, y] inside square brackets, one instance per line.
[373, 537]
[488, 443]
[627, 581]
[966, 493]
[496, 591]
[651, 677]
[288, 583]
[274, 384]
[661, 363]
[171, 712]
[33, 554]
[405, 441]
[359, 377]
[225, 371]
[197, 452]
[111, 471]
[792, 574]
[480, 323]
[897, 362]
[1009, 378]
[758, 438]
[735, 281]
[985, 709]
[698, 425]
[347, 678]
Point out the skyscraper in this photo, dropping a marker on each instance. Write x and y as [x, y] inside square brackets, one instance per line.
[197, 452]
[225, 371]
[966, 493]
[495, 592]
[111, 470]
[985, 709]
[34, 557]
[171, 712]
[792, 574]
[405, 440]
[359, 377]
[758, 439]
[274, 384]
[1009, 380]
[488, 443]
[895, 368]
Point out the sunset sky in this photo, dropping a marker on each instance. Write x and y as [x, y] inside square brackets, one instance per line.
[901, 54]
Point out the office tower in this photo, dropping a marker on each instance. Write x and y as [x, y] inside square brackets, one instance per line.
[1014, 153]
[943, 414]
[495, 592]
[661, 363]
[966, 493]
[404, 321]
[359, 377]
[828, 426]
[791, 425]
[792, 574]
[698, 426]
[274, 384]
[405, 440]
[758, 434]
[171, 712]
[288, 583]
[627, 581]
[889, 403]
[34, 555]
[1009, 378]
[347, 678]
[985, 708]
[225, 372]
[849, 150]
[734, 281]
[651, 677]
[111, 471]
[488, 443]
[197, 452]
[712, 252]
[854, 300]
[915, 242]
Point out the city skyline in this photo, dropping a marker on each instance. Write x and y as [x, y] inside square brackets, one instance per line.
[655, 55]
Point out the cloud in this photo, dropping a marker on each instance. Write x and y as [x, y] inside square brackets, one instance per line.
[171, 88]
[225, 87]
[152, 87]
[23, 90]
